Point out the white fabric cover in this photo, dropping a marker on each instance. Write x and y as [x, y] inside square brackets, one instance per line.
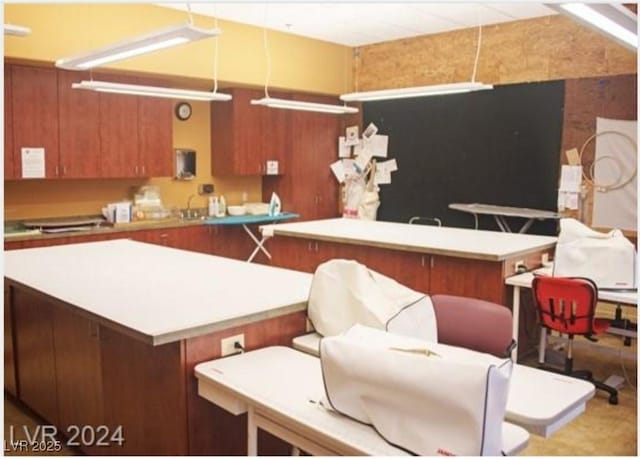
[609, 259]
[345, 292]
[428, 398]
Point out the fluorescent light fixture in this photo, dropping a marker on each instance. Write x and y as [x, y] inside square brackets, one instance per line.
[614, 20]
[417, 91]
[151, 91]
[19, 31]
[307, 106]
[159, 39]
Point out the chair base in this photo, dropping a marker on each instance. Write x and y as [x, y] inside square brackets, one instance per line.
[588, 376]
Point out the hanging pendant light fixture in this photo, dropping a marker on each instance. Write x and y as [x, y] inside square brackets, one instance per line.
[274, 102]
[157, 91]
[16, 30]
[421, 91]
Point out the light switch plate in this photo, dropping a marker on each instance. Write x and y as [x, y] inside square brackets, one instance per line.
[272, 167]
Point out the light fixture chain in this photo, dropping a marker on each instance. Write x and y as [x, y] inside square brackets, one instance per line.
[475, 63]
[190, 13]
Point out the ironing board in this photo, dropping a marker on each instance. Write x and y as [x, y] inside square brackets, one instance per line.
[279, 389]
[245, 220]
[500, 212]
[540, 401]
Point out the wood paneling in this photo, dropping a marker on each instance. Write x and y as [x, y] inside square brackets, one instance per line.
[155, 129]
[213, 431]
[78, 370]
[10, 380]
[540, 49]
[79, 127]
[143, 391]
[9, 170]
[35, 114]
[35, 355]
[118, 133]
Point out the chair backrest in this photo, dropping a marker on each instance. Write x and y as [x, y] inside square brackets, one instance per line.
[565, 304]
[425, 221]
[473, 324]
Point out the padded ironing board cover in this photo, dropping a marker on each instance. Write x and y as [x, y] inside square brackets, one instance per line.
[450, 402]
[608, 259]
[344, 293]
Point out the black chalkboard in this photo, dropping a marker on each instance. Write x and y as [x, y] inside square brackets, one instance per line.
[499, 147]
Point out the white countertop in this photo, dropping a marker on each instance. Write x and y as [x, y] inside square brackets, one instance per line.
[155, 293]
[455, 242]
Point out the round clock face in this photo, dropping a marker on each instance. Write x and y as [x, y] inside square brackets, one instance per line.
[183, 111]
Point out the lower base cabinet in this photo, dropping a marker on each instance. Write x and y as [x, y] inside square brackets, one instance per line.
[112, 394]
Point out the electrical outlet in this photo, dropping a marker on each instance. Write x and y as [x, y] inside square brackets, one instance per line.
[205, 188]
[519, 266]
[227, 345]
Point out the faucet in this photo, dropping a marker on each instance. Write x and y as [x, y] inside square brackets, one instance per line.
[189, 205]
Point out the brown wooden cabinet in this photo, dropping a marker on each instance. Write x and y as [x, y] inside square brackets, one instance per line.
[9, 163]
[245, 136]
[79, 116]
[34, 353]
[155, 134]
[10, 380]
[34, 103]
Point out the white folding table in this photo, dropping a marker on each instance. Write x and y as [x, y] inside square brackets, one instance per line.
[245, 220]
[540, 401]
[279, 388]
[500, 212]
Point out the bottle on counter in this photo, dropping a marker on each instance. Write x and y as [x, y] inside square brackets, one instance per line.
[222, 207]
[214, 206]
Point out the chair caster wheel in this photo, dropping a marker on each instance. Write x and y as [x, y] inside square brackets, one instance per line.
[613, 400]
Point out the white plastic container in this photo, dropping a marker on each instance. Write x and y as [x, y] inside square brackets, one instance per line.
[222, 207]
[214, 206]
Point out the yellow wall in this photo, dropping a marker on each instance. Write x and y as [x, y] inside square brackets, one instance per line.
[60, 30]
[65, 29]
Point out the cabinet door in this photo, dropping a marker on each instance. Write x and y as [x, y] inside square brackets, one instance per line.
[35, 354]
[476, 278]
[276, 140]
[78, 369]
[155, 131]
[10, 381]
[35, 114]
[118, 133]
[79, 127]
[9, 170]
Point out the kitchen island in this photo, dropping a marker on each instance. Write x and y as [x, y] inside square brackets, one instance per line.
[108, 333]
[427, 258]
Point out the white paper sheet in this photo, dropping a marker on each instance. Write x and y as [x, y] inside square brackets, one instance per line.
[388, 166]
[382, 177]
[363, 159]
[352, 135]
[33, 164]
[338, 170]
[370, 131]
[571, 178]
[378, 145]
[349, 167]
[344, 150]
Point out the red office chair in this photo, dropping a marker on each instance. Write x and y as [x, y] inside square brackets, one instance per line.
[567, 305]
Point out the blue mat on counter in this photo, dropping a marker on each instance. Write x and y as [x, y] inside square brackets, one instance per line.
[249, 219]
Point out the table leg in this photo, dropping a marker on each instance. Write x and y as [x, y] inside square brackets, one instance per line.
[542, 346]
[252, 433]
[502, 223]
[516, 322]
[259, 244]
[526, 226]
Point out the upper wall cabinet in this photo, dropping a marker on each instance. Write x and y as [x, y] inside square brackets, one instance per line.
[244, 136]
[34, 98]
[85, 134]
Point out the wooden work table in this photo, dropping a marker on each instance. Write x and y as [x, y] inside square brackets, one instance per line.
[427, 258]
[108, 333]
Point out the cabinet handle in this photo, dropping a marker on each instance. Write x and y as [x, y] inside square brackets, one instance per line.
[309, 247]
[57, 171]
[431, 263]
[64, 170]
[95, 330]
[422, 260]
[316, 246]
[143, 170]
[135, 170]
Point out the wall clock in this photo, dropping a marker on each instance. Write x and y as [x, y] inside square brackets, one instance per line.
[183, 111]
